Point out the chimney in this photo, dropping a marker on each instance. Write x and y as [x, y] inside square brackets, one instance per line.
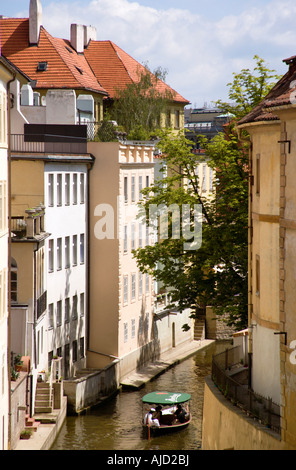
[90, 33]
[35, 21]
[77, 37]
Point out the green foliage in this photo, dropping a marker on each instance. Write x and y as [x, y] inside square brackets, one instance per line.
[216, 274]
[138, 106]
[248, 88]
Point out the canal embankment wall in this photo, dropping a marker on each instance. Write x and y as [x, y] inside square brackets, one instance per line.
[226, 427]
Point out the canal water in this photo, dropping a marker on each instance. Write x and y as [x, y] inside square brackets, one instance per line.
[117, 424]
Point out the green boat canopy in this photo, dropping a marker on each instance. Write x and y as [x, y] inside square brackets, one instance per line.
[165, 398]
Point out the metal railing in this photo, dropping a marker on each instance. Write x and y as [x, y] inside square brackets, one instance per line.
[261, 408]
[19, 144]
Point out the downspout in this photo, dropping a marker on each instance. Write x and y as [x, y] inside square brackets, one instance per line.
[9, 257]
[88, 255]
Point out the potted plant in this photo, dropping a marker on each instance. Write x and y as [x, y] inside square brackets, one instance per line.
[18, 362]
[14, 375]
[26, 434]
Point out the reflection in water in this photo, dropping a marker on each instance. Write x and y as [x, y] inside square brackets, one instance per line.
[116, 425]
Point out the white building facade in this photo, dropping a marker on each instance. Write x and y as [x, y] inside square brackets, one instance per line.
[66, 222]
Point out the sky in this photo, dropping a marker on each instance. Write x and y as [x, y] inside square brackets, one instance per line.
[200, 44]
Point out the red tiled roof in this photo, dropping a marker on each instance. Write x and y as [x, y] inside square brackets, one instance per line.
[280, 95]
[63, 66]
[115, 69]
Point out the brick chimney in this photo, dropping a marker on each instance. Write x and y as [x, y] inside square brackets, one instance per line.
[35, 21]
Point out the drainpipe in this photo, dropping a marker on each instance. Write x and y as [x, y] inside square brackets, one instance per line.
[9, 257]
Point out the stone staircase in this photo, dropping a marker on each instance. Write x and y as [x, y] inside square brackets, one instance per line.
[199, 329]
[43, 399]
[31, 424]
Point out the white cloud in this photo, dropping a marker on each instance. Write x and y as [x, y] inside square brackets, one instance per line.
[200, 54]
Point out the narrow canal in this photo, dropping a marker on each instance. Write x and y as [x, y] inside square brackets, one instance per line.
[116, 425]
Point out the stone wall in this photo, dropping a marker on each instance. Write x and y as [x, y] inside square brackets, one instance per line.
[225, 427]
[216, 327]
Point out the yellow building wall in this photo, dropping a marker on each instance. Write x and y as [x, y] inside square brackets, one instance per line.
[104, 257]
[225, 427]
[27, 185]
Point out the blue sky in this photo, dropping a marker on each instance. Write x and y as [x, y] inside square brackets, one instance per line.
[200, 43]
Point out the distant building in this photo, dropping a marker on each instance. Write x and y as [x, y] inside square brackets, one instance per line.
[206, 122]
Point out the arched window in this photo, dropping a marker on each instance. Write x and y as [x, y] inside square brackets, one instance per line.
[13, 282]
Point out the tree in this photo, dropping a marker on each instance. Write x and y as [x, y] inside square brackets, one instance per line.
[216, 273]
[248, 88]
[138, 106]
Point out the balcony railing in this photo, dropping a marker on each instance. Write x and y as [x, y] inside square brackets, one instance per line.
[261, 408]
[20, 145]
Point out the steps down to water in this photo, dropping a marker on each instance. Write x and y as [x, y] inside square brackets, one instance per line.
[43, 398]
[199, 329]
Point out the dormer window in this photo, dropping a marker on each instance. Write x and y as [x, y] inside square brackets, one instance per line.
[42, 66]
[79, 70]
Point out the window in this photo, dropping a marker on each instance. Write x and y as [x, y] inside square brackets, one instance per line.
[67, 189]
[140, 187]
[59, 312]
[257, 274]
[42, 66]
[133, 189]
[147, 283]
[258, 173]
[74, 188]
[82, 248]
[204, 178]
[125, 239]
[211, 179]
[74, 250]
[82, 188]
[140, 235]
[125, 332]
[51, 189]
[59, 253]
[13, 281]
[133, 328]
[147, 181]
[177, 118]
[3, 292]
[147, 234]
[125, 287]
[133, 286]
[133, 237]
[74, 350]
[74, 307]
[82, 304]
[50, 316]
[3, 206]
[67, 252]
[81, 348]
[50, 256]
[3, 118]
[59, 189]
[140, 284]
[67, 309]
[168, 118]
[125, 189]
[141, 325]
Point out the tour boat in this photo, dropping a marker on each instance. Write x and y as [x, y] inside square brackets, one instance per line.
[166, 411]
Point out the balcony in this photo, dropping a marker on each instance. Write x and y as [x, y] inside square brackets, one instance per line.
[29, 227]
[45, 138]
